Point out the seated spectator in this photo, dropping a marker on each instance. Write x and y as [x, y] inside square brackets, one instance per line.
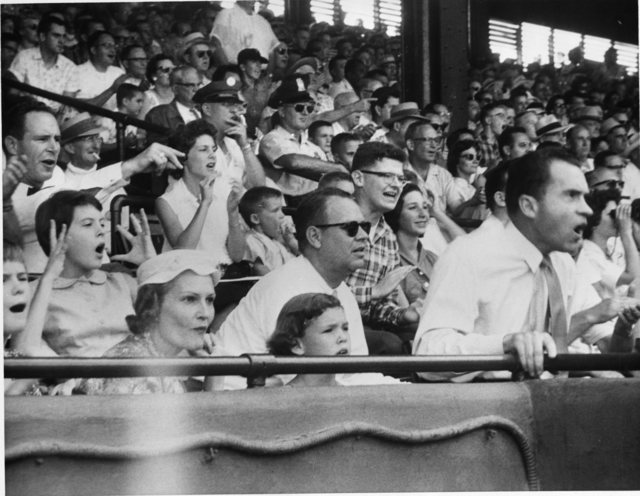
[379, 177]
[311, 324]
[270, 242]
[199, 211]
[197, 54]
[483, 297]
[23, 315]
[134, 60]
[514, 142]
[100, 78]
[339, 84]
[385, 99]
[329, 229]
[129, 99]
[159, 71]
[185, 81]
[400, 118]
[343, 148]
[320, 134]
[339, 180]
[173, 311]
[494, 187]
[44, 66]
[408, 220]
[255, 87]
[466, 198]
[579, 144]
[609, 218]
[87, 309]
[8, 51]
[292, 165]
[548, 128]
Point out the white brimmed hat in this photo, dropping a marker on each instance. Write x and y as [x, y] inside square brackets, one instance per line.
[169, 265]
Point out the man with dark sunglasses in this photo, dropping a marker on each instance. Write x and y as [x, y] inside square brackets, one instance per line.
[378, 175]
[330, 229]
[197, 54]
[291, 161]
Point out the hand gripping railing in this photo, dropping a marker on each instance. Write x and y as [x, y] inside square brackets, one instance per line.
[257, 366]
[121, 120]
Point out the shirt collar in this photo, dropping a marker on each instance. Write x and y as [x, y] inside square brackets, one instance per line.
[97, 277]
[81, 172]
[521, 245]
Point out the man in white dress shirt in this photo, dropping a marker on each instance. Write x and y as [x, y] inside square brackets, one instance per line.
[482, 291]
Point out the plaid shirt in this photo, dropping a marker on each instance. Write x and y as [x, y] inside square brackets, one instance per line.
[489, 151]
[381, 256]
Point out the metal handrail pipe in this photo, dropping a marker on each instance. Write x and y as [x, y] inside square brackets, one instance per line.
[266, 365]
[123, 119]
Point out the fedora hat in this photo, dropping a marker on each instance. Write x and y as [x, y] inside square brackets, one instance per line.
[402, 111]
[589, 112]
[79, 125]
[548, 124]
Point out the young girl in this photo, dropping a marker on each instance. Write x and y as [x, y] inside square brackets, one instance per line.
[87, 309]
[23, 317]
[312, 324]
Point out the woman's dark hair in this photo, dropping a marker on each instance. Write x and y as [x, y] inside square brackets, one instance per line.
[454, 154]
[295, 317]
[186, 135]
[393, 217]
[60, 207]
[597, 201]
[152, 65]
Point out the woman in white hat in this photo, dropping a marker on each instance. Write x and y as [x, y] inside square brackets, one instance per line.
[173, 311]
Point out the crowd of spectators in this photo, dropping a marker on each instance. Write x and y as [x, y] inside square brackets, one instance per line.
[287, 155]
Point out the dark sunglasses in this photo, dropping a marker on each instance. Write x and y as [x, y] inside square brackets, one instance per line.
[439, 127]
[165, 70]
[609, 183]
[351, 228]
[203, 53]
[469, 156]
[301, 107]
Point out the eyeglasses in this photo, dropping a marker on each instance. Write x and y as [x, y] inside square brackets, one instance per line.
[281, 51]
[437, 141]
[351, 228]
[165, 70]
[204, 53]
[469, 156]
[301, 107]
[387, 176]
[609, 183]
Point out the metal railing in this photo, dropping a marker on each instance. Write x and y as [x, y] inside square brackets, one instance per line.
[254, 365]
[121, 120]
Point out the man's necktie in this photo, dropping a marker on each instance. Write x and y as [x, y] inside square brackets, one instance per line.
[547, 312]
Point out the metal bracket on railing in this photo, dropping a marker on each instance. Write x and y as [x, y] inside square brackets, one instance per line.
[258, 369]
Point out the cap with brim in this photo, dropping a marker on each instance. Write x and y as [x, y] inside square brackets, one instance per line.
[250, 54]
[609, 125]
[78, 126]
[291, 90]
[402, 111]
[548, 124]
[310, 61]
[225, 90]
[167, 266]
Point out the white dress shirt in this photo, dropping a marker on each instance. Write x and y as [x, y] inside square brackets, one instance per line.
[481, 290]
